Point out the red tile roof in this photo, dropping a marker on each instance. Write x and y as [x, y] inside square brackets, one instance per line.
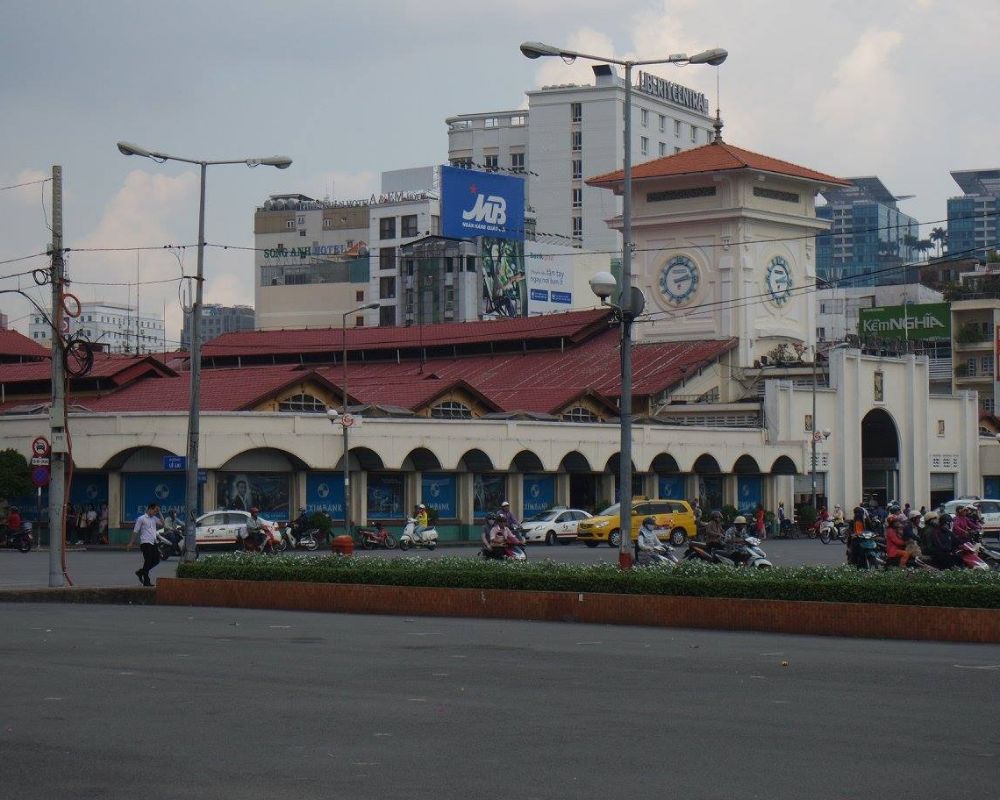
[14, 344]
[713, 157]
[106, 365]
[572, 326]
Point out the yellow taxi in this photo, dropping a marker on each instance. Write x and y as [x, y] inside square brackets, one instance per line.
[675, 517]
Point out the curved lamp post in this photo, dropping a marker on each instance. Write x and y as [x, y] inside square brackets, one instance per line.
[191, 476]
[345, 420]
[626, 306]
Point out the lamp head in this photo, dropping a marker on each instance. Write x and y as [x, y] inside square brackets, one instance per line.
[281, 162]
[826, 433]
[538, 49]
[603, 284]
[714, 57]
[129, 149]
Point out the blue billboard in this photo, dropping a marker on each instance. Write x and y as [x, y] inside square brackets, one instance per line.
[671, 487]
[539, 493]
[481, 204]
[385, 495]
[437, 491]
[748, 492]
[325, 492]
[140, 489]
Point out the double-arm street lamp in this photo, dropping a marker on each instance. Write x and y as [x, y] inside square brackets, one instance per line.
[628, 306]
[345, 419]
[191, 477]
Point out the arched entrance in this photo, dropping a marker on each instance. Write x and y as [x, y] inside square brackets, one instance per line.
[879, 457]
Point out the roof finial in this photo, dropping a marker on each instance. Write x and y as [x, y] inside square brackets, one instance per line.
[718, 117]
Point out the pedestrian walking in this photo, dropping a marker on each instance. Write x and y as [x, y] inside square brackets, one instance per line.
[758, 518]
[145, 529]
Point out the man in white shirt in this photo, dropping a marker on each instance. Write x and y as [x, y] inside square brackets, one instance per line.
[145, 529]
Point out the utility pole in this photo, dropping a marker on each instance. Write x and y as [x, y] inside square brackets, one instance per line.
[57, 408]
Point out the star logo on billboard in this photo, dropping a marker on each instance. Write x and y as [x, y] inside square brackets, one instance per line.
[473, 189]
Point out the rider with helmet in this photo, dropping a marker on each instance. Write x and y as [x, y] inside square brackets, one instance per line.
[487, 537]
[647, 546]
[715, 536]
[939, 539]
[895, 544]
[738, 529]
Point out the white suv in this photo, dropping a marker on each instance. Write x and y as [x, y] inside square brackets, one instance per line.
[554, 525]
[222, 527]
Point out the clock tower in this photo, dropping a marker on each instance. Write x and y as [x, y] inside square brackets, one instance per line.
[724, 244]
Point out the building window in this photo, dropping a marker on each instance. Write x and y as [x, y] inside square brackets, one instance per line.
[663, 148]
[327, 223]
[387, 258]
[302, 404]
[663, 124]
[491, 122]
[302, 232]
[579, 414]
[576, 141]
[408, 264]
[518, 121]
[576, 112]
[517, 162]
[387, 288]
[577, 169]
[359, 297]
[359, 322]
[986, 365]
[821, 334]
[408, 226]
[387, 315]
[492, 162]
[577, 198]
[676, 150]
[435, 224]
[290, 224]
[470, 263]
[387, 228]
[677, 127]
[644, 117]
[987, 406]
[462, 163]
[808, 424]
[694, 134]
[644, 145]
[940, 427]
[970, 367]
[451, 409]
[449, 264]
[577, 227]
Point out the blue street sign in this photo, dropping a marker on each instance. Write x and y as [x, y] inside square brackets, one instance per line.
[175, 462]
[203, 476]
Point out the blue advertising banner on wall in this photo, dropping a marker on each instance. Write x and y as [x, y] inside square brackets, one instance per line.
[385, 495]
[539, 493]
[748, 493]
[325, 492]
[671, 487]
[488, 492]
[477, 203]
[142, 488]
[89, 488]
[437, 491]
[991, 486]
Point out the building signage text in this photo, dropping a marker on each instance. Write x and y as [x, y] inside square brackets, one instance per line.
[674, 92]
[305, 252]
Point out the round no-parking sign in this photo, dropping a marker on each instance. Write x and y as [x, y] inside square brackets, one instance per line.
[40, 446]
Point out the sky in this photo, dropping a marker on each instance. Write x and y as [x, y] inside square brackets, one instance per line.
[902, 89]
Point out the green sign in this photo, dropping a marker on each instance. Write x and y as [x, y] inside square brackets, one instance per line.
[911, 321]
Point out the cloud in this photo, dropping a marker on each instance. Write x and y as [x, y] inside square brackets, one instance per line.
[554, 71]
[865, 89]
[342, 185]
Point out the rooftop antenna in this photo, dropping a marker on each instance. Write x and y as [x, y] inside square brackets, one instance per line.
[718, 117]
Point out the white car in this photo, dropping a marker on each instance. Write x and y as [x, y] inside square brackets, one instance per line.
[554, 525]
[222, 527]
[989, 509]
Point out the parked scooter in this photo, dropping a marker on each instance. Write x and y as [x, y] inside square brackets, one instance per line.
[170, 539]
[410, 538]
[21, 539]
[373, 538]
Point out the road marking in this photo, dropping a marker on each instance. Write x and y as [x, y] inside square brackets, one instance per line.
[590, 642]
[439, 674]
[969, 666]
[417, 699]
[383, 734]
[279, 627]
[47, 699]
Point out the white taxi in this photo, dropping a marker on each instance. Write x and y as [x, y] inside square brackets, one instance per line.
[222, 527]
[553, 525]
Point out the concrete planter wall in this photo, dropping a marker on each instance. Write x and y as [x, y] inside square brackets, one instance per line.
[775, 616]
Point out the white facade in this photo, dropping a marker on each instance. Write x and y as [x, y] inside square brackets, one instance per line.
[116, 328]
[570, 133]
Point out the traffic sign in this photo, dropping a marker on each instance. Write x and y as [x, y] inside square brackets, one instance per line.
[174, 462]
[40, 476]
[39, 461]
[40, 446]
[347, 420]
[817, 437]
[203, 476]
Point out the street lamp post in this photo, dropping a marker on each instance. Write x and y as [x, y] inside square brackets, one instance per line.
[627, 307]
[191, 475]
[345, 420]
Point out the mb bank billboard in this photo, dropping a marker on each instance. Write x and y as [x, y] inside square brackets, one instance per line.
[477, 203]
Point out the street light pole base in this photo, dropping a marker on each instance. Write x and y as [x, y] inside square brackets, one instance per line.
[624, 560]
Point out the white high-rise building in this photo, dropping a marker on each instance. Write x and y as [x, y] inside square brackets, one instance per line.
[114, 328]
[569, 133]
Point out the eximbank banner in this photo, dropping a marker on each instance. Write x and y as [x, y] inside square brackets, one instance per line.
[481, 204]
[926, 321]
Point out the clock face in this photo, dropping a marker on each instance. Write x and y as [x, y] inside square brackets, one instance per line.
[779, 280]
[679, 280]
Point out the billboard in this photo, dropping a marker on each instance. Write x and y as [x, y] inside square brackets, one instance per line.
[504, 288]
[910, 321]
[267, 491]
[550, 284]
[481, 204]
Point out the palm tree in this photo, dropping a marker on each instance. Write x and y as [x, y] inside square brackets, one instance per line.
[939, 235]
[922, 246]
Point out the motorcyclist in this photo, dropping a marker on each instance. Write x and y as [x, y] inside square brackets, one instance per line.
[13, 521]
[911, 533]
[961, 528]
[838, 515]
[715, 536]
[895, 544]
[422, 520]
[940, 540]
[489, 551]
[255, 527]
[738, 530]
[507, 516]
[648, 547]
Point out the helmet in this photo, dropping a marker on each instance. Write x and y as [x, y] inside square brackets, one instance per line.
[740, 520]
[491, 517]
[945, 519]
[716, 515]
[649, 522]
[421, 506]
[931, 518]
[504, 503]
[914, 514]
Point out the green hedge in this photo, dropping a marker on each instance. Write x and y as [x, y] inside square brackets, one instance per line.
[960, 589]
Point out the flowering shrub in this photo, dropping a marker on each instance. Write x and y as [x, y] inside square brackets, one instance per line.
[961, 589]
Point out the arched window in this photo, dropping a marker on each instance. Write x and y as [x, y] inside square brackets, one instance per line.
[451, 409]
[302, 404]
[580, 414]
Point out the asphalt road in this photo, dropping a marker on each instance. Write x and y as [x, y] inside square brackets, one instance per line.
[116, 567]
[161, 702]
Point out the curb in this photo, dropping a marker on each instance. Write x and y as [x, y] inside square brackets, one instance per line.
[857, 620]
[120, 596]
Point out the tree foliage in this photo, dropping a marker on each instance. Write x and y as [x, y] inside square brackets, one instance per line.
[15, 476]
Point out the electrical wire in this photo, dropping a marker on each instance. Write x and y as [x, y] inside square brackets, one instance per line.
[26, 183]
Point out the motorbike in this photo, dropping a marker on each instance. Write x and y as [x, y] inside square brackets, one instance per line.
[270, 543]
[170, 540]
[20, 539]
[510, 549]
[830, 531]
[372, 538]
[967, 556]
[747, 552]
[307, 541]
[410, 538]
[663, 556]
[698, 551]
[867, 552]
